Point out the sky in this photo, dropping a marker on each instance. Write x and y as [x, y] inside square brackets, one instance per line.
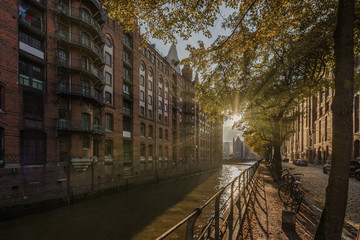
[228, 132]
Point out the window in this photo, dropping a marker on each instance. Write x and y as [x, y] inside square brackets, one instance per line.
[108, 78]
[151, 151]
[125, 88]
[153, 58]
[85, 122]
[142, 80]
[150, 113]
[150, 73]
[85, 40]
[30, 40]
[166, 135]
[160, 105]
[142, 111]
[160, 117]
[160, 91]
[160, 133]
[86, 142]
[108, 59]
[108, 148]
[142, 150]
[150, 131]
[142, 68]
[108, 122]
[33, 106]
[86, 89]
[63, 149]
[150, 100]
[144, 51]
[149, 54]
[33, 147]
[108, 42]
[142, 129]
[160, 153]
[166, 154]
[85, 15]
[85, 63]
[142, 96]
[166, 119]
[150, 86]
[62, 56]
[166, 107]
[31, 75]
[108, 98]
[126, 124]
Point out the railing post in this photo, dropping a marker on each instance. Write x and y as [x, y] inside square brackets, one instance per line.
[217, 214]
[191, 224]
[231, 214]
[239, 200]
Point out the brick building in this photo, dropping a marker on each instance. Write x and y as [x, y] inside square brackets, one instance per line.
[83, 109]
[312, 138]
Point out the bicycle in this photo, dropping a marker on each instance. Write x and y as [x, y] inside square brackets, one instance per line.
[289, 192]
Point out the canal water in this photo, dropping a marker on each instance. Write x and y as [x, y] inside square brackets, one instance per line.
[141, 213]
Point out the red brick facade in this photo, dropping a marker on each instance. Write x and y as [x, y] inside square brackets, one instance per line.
[83, 109]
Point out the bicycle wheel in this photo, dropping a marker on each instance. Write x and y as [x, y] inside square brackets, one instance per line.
[284, 194]
[298, 196]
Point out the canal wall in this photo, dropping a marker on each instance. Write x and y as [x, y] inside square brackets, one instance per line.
[30, 190]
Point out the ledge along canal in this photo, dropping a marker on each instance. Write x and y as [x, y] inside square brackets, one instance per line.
[142, 213]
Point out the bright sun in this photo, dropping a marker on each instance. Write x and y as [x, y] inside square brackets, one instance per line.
[236, 118]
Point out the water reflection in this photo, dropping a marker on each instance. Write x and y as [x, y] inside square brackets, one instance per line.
[142, 213]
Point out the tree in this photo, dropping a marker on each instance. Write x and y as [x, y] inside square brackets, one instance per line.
[260, 30]
[333, 214]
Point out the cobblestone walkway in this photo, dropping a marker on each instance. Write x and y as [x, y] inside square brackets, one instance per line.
[263, 219]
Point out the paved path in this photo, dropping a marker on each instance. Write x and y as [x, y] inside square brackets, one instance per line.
[263, 219]
[315, 182]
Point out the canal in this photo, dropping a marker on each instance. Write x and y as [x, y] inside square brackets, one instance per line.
[141, 213]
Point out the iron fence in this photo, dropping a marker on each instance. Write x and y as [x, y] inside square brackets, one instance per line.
[229, 206]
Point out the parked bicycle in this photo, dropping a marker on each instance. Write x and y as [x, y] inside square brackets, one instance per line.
[289, 191]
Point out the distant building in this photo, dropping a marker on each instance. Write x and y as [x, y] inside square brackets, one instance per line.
[240, 150]
[227, 149]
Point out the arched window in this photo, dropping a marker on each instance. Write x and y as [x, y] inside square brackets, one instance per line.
[85, 63]
[85, 15]
[108, 41]
[85, 39]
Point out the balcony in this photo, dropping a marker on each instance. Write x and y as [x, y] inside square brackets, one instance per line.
[127, 62]
[127, 79]
[81, 91]
[83, 42]
[31, 50]
[31, 21]
[31, 82]
[98, 130]
[127, 111]
[90, 70]
[128, 96]
[62, 124]
[78, 15]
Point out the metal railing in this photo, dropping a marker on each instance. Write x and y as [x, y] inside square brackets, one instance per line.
[234, 197]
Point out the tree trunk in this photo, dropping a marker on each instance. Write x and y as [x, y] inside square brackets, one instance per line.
[332, 217]
[276, 140]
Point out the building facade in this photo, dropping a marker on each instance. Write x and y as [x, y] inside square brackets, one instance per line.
[312, 138]
[83, 109]
[241, 150]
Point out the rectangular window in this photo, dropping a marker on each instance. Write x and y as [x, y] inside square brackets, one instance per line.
[150, 113]
[125, 88]
[166, 107]
[160, 105]
[150, 85]
[142, 150]
[150, 131]
[86, 142]
[142, 129]
[160, 133]
[150, 100]
[33, 106]
[108, 59]
[108, 122]
[108, 148]
[142, 111]
[30, 40]
[108, 98]
[151, 151]
[166, 135]
[33, 147]
[142, 96]
[85, 122]
[142, 80]
[31, 75]
[108, 78]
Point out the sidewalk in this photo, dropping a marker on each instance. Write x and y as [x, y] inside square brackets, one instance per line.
[263, 219]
